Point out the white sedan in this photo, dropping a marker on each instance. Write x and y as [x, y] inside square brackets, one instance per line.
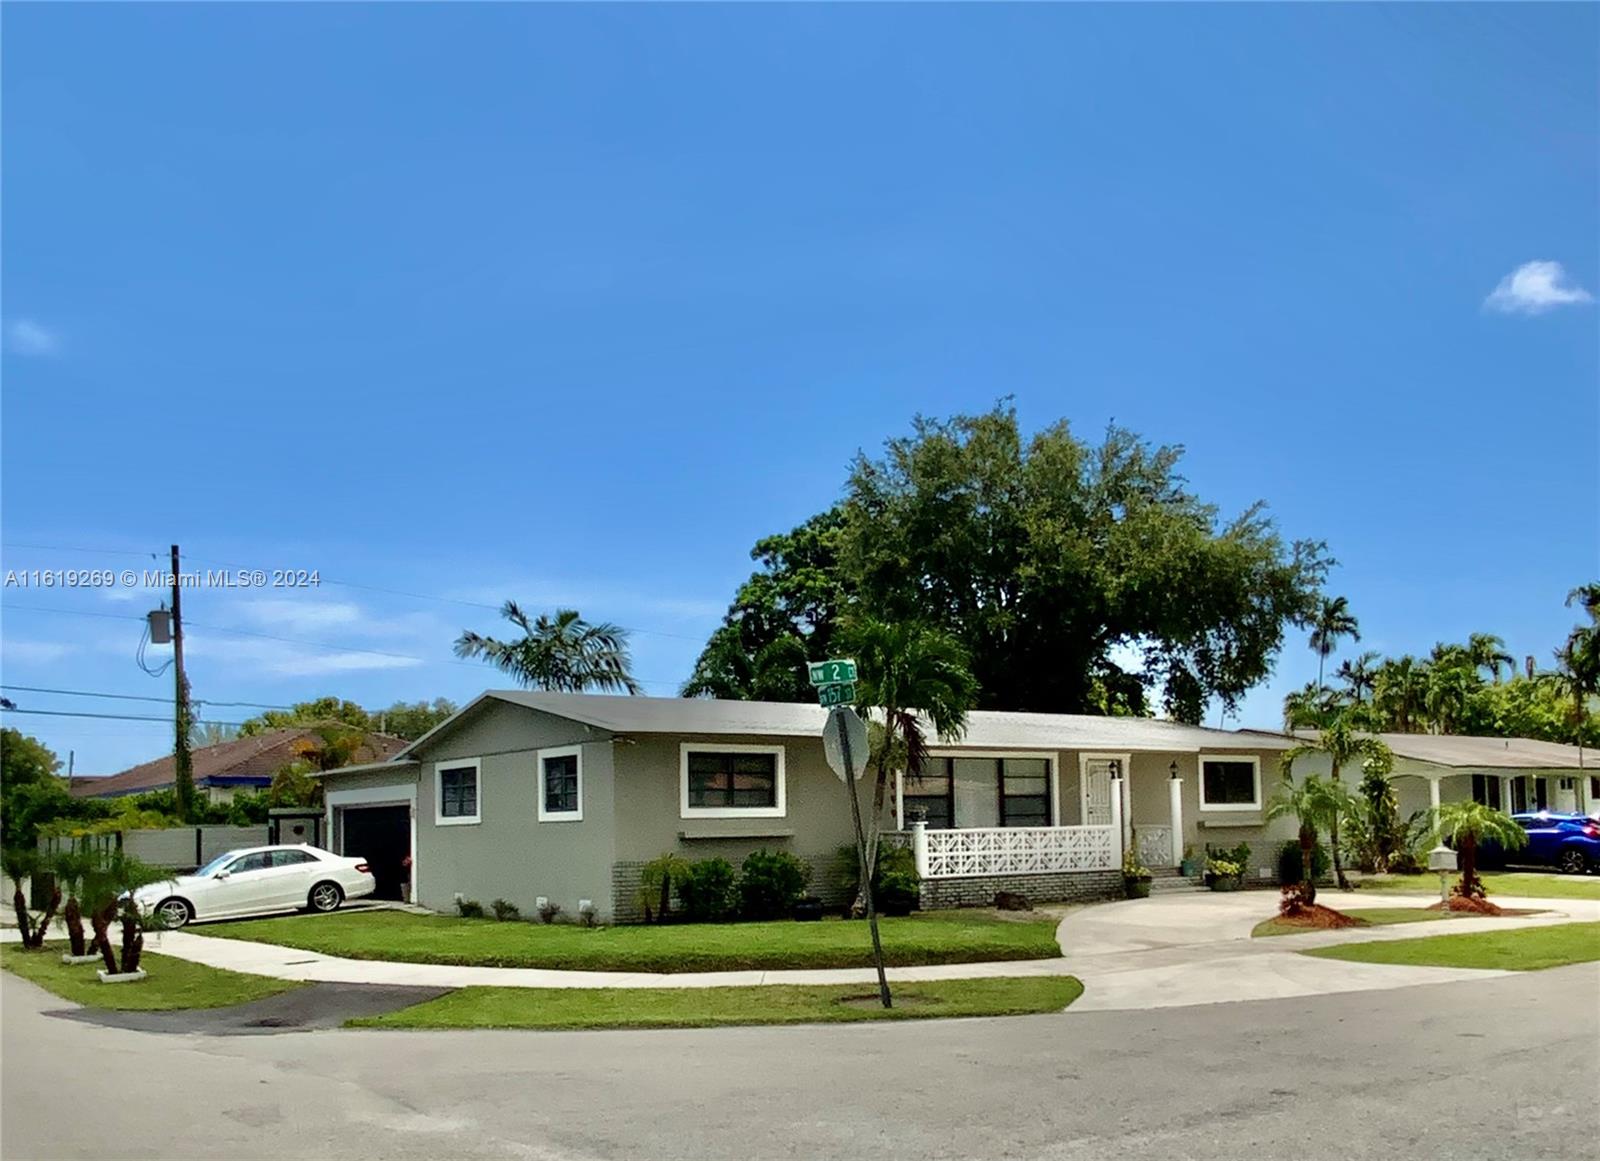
[257, 881]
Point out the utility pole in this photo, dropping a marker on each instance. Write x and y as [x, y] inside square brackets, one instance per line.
[183, 766]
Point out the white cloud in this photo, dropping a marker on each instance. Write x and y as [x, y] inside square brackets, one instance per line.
[1535, 287]
[283, 659]
[26, 337]
[37, 652]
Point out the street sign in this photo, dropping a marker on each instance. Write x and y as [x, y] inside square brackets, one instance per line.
[832, 672]
[844, 722]
[841, 694]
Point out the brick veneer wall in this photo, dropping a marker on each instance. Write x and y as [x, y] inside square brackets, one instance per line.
[1058, 887]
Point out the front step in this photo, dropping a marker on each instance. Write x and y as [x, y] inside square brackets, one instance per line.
[1175, 884]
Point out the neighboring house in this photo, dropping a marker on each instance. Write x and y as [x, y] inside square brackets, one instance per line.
[222, 770]
[526, 796]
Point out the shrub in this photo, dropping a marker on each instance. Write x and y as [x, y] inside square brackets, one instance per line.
[1289, 863]
[548, 912]
[707, 891]
[469, 909]
[895, 880]
[771, 883]
[505, 912]
[587, 915]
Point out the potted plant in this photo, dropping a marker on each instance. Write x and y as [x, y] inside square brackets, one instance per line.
[808, 909]
[1136, 877]
[1191, 864]
[1222, 874]
[897, 892]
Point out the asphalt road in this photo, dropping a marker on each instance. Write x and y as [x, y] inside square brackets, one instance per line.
[1500, 1068]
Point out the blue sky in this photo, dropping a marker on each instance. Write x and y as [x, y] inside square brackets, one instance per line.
[572, 304]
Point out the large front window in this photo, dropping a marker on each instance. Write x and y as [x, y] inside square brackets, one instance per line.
[979, 793]
[732, 781]
[1230, 784]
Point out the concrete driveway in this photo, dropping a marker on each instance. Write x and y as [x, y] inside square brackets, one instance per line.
[1196, 949]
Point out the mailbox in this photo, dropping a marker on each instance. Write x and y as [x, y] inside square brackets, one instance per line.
[1442, 859]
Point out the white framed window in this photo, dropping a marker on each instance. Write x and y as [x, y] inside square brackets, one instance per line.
[457, 792]
[717, 780]
[1230, 782]
[560, 784]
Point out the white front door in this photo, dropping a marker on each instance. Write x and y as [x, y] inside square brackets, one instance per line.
[1095, 779]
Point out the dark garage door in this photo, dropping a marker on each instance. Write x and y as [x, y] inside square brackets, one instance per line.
[382, 836]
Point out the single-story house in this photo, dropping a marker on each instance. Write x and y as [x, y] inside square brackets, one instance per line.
[222, 770]
[529, 796]
[1510, 774]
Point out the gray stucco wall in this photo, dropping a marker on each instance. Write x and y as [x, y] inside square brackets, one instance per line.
[509, 854]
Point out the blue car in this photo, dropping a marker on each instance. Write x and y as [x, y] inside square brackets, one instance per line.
[1568, 842]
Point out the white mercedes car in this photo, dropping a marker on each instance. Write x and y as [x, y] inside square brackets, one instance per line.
[257, 881]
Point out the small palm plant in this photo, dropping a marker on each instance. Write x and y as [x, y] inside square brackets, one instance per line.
[21, 864]
[108, 890]
[1344, 745]
[71, 868]
[1467, 824]
[1316, 804]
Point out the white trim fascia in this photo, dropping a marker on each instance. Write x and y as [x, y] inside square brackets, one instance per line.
[1230, 807]
[439, 768]
[781, 810]
[539, 760]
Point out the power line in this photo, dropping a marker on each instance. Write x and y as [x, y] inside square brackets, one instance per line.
[140, 697]
[115, 717]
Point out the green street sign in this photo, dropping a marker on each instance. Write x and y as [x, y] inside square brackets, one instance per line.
[841, 693]
[832, 672]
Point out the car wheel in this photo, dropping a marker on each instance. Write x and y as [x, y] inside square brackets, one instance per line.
[326, 897]
[173, 913]
[1572, 863]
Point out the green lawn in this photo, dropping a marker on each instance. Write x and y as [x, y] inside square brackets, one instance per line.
[1527, 949]
[933, 938]
[1529, 884]
[569, 1008]
[172, 983]
[1369, 916]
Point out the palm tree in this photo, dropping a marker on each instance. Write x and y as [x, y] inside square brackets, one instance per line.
[1398, 690]
[1449, 690]
[1358, 674]
[1466, 824]
[1315, 804]
[1343, 745]
[1309, 707]
[1331, 621]
[912, 676]
[1489, 652]
[564, 653]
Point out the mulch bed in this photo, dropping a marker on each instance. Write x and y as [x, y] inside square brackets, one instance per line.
[1316, 917]
[1472, 906]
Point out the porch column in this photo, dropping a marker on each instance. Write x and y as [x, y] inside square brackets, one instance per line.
[919, 847]
[1116, 820]
[1175, 794]
[1433, 794]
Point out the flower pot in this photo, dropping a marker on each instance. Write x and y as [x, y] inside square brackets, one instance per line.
[1136, 888]
[77, 959]
[120, 977]
[808, 910]
[1189, 868]
[1221, 884]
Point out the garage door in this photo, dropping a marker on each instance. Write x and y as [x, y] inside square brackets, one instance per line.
[382, 836]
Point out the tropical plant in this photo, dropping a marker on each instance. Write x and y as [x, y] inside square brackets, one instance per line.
[563, 653]
[912, 677]
[708, 890]
[20, 865]
[1398, 690]
[1315, 804]
[1467, 824]
[108, 889]
[1358, 674]
[1331, 621]
[1451, 683]
[1377, 833]
[1343, 744]
[655, 885]
[1487, 651]
[71, 868]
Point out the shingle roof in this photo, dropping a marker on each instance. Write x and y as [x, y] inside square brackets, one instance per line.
[1488, 753]
[986, 729]
[258, 756]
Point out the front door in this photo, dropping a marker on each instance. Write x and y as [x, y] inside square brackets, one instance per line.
[1096, 779]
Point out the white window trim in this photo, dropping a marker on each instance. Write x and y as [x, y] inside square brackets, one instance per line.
[560, 815]
[439, 768]
[1052, 767]
[1227, 807]
[781, 810]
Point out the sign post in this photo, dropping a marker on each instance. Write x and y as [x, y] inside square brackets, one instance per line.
[844, 741]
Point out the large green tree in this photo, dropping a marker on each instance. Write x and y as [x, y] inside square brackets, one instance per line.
[408, 720]
[1048, 559]
[1331, 621]
[32, 794]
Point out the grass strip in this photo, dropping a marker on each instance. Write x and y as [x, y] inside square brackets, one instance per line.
[941, 937]
[1526, 884]
[171, 983]
[1521, 949]
[594, 1008]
